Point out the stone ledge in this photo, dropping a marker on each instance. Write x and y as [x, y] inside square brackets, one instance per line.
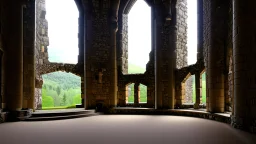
[19, 115]
[189, 113]
[2, 116]
[244, 124]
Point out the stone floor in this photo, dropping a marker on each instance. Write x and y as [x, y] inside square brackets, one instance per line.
[124, 129]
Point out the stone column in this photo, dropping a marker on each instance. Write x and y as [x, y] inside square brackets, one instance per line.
[165, 57]
[216, 29]
[126, 94]
[200, 32]
[29, 56]
[122, 95]
[244, 43]
[198, 89]
[82, 91]
[113, 62]
[13, 39]
[1, 76]
[150, 96]
[136, 94]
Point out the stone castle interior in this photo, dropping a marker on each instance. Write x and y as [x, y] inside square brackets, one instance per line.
[226, 49]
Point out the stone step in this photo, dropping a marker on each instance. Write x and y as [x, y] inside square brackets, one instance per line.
[60, 113]
[60, 117]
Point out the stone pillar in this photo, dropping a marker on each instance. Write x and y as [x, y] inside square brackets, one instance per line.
[139, 94]
[136, 94]
[82, 92]
[216, 30]
[29, 56]
[201, 88]
[244, 43]
[150, 96]
[165, 57]
[113, 62]
[123, 95]
[1, 61]
[1, 69]
[13, 39]
[198, 89]
[200, 33]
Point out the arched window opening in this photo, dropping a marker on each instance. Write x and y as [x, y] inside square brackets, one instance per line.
[62, 31]
[192, 31]
[143, 94]
[61, 90]
[190, 91]
[139, 37]
[203, 92]
[130, 94]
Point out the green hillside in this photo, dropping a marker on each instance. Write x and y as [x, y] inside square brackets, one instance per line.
[61, 89]
[132, 68]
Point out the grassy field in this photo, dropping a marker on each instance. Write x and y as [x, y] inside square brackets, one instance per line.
[203, 92]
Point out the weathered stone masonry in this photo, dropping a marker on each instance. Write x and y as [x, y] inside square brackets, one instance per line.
[228, 61]
[29, 55]
[42, 41]
[181, 51]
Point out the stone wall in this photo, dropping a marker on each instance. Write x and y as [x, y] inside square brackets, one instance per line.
[100, 54]
[123, 50]
[28, 54]
[1, 49]
[181, 76]
[182, 52]
[189, 90]
[42, 41]
[229, 63]
[181, 34]
[216, 17]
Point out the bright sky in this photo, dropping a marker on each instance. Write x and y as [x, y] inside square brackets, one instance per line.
[63, 32]
[139, 34]
[192, 31]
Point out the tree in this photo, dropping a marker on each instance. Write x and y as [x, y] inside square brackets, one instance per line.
[58, 90]
[64, 98]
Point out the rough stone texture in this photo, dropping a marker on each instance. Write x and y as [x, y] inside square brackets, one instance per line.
[38, 98]
[244, 42]
[181, 77]
[181, 52]
[28, 54]
[1, 49]
[229, 64]
[123, 50]
[100, 54]
[189, 90]
[216, 14]
[42, 41]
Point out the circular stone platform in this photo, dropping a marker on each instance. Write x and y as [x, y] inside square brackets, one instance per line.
[124, 129]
